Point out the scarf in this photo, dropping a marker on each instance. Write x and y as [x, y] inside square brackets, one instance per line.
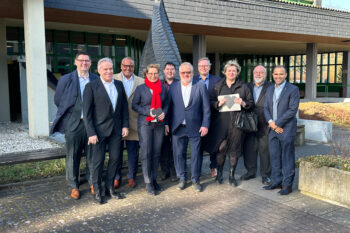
[156, 100]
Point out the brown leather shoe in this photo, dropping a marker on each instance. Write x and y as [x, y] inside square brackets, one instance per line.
[132, 183]
[116, 184]
[75, 194]
[92, 190]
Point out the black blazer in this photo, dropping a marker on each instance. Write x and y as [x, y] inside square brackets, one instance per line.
[65, 97]
[141, 102]
[99, 117]
[259, 108]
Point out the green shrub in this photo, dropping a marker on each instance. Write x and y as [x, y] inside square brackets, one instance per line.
[339, 162]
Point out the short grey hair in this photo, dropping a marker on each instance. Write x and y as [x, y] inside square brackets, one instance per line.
[205, 59]
[186, 64]
[261, 67]
[105, 59]
[232, 63]
[128, 58]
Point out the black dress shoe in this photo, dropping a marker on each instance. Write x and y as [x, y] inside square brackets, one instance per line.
[98, 199]
[285, 190]
[150, 189]
[272, 186]
[181, 185]
[156, 186]
[164, 177]
[266, 181]
[247, 176]
[174, 179]
[113, 194]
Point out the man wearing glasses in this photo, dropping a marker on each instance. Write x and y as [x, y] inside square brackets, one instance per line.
[190, 118]
[130, 82]
[209, 80]
[69, 120]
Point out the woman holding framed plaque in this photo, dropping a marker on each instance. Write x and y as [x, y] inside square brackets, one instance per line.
[229, 97]
[150, 102]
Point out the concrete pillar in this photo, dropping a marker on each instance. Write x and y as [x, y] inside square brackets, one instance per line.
[4, 80]
[217, 64]
[34, 32]
[346, 74]
[199, 50]
[318, 3]
[311, 71]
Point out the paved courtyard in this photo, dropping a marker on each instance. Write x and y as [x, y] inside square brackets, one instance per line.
[45, 206]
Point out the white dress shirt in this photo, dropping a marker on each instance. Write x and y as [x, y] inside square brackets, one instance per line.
[111, 91]
[186, 94]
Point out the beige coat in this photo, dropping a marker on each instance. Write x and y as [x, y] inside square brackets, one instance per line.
[132, 114]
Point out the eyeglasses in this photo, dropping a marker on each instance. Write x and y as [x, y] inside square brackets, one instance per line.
[203, 66]
[80, 60]
[152, 74]
[128, 66]
[186, 72]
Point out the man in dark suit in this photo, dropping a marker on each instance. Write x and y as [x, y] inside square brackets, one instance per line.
[106, 119]
[167, 159]
[190, 119]
[280, 108]
[258, 142]
[209, 81]
[69, 120]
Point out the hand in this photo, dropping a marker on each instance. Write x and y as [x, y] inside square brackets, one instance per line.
[203, 131]
[278, 130]
[161, 116]
[150, 113]
[272, 125]
[222, 102]
[125, 132]
[166, 130]
[239, 101]
[93, 140]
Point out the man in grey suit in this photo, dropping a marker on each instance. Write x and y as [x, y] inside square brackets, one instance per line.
[130, 82]
[69, 120]
[257, 143]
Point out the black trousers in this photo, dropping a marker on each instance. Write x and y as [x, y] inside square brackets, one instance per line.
[76, 143]
[167, 159]
[254, 146]
[98, 157]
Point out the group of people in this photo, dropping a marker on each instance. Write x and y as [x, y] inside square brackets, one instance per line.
[161, 117]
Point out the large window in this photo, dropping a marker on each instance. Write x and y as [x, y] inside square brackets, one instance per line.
[61, 47]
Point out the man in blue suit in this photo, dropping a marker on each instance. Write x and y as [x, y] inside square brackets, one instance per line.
[69, 120]
[209, 81]
[280, 108]
[190, 118]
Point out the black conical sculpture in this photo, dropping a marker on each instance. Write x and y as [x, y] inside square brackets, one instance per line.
[160, 46]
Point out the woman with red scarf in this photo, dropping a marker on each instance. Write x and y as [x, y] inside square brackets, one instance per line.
[150, 102]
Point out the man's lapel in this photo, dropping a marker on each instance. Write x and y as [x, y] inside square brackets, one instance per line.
[193, 89]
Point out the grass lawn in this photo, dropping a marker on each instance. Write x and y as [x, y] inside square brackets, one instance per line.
[337, 113]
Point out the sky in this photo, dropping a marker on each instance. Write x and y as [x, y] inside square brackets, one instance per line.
[337, 4]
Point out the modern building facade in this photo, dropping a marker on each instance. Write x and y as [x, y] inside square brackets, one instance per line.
[36, 35]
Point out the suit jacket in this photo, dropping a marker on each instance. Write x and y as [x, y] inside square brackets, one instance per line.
[286, 109]
[212, 81]
[259, 108]
[142, 102]
[99, 117]
[196, 114]
[132, 114]
[65, 98]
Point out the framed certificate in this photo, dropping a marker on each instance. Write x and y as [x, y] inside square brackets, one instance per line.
[229, 105]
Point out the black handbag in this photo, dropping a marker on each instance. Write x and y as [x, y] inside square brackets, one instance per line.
[247, 121]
